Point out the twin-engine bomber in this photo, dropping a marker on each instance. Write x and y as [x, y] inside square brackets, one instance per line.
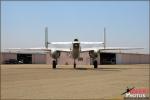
[75, 49]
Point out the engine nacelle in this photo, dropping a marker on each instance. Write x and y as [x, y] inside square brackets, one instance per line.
[55, 54]
[93, 54]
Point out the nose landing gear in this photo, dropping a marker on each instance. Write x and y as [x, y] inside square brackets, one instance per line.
[74, 64]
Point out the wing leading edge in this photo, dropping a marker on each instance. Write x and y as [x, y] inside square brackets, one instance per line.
[109, 48]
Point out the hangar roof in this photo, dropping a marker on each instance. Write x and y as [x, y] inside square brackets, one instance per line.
[25, 52]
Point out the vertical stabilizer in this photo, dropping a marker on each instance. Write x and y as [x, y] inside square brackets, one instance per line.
[104, 38]
[46, 37]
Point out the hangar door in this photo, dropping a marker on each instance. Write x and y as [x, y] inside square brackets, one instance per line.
[25, 58]
[107, 58]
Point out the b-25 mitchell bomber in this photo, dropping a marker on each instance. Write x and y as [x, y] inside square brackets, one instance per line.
[75, 49]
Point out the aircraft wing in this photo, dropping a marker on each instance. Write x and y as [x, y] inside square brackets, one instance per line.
[40, 49]
[120, 48]
[92, 42]
[61, 49]
[61, 42]
[108, 48]
[76, 42]
[89, 49]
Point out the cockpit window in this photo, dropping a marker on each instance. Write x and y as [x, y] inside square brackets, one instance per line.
[75, 39]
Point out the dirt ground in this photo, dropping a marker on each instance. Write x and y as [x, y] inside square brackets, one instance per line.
[40, 81]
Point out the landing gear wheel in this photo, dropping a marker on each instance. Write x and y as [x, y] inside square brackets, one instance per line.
[95, 64]
[74, 65]
[54, 64]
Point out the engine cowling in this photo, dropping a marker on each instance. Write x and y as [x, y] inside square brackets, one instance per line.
[93, 54]
[55, 54]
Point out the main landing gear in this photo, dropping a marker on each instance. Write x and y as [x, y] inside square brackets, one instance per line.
[95, 64]
[54, 64]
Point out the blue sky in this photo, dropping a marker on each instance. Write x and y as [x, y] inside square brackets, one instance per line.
[126, 22]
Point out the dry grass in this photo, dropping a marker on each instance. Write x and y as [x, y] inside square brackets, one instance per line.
[43, 82]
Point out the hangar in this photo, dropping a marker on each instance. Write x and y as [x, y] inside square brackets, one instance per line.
[123, 58]
[26, 57]
[107, 58]
[65, 58]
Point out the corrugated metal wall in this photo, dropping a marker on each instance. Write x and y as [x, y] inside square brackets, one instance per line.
[125, 58]
[65, 58]
[38, 58]
[7, 56]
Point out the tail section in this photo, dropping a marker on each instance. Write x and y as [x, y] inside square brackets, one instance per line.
[46, 37]
[104, 38]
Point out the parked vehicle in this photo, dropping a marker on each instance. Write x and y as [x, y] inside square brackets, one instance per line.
[20, 62]
[11, 61]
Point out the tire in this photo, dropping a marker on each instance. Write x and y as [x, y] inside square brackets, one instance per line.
[74, 66]
[54, 64]
[95, 64]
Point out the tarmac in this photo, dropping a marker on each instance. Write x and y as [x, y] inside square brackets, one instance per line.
[40, 81]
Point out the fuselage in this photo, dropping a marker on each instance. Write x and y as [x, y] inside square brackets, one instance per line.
[76, 49]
